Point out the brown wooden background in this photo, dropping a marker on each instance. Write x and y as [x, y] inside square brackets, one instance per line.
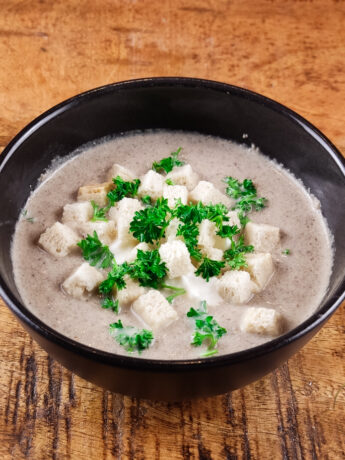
[290, 50]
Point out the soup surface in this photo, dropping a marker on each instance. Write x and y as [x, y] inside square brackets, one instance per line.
[296, 289]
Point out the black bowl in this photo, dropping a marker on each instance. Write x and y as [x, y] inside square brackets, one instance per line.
[185, 104]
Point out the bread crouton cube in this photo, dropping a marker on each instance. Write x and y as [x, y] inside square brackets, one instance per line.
[213, 253]
[263, 321]
[154, 310]
[77, 213]
[83, 281]
[123, 214]
[130, 293]
[260, 267]
[208, 237]
[171, 230]
[236, 287]
[184, 175]
[264, 238]
[58, 240]
[124, 173]
[106, 231]
[96, 193]
[176, 257]
[175, 192]
[133, 253]
[151, 184]
[207, 193]
[234, 219]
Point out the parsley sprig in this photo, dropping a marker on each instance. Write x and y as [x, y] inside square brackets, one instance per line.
[209, 268]
[95, 252]
[206, 329]
[99, 213]
[115, 278]
[150, 223]
[131, 338]
[109, 303]
[167, 164]
[245, 195]
[123, 189]
[234, 256]
[148, 269]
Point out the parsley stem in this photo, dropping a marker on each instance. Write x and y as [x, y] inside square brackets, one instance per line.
[209, 353]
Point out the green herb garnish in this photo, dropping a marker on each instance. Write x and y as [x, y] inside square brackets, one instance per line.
[148, 269]
[245, 193]
[209, 268]
[167, 164]
[146, 199]
[95, 252]
[206, 329]
[149, 224]
[123, 189]
[176, 291]
[115, 278]
[131, 338]
[99, 213]
[169, 182]
[286, 252]
[234, 256]
[26, 217]
[110, 303]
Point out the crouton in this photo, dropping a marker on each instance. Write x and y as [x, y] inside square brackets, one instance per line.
[264, 238]
[83, 281]
[236, 287]
[207, 234]
[130, 293]
[123, 214]
[207, 193]
[170, 231]
[77, 213]
[213, 253]
[260, 267]
[151, 184]
[234, 219]
[175, 192]
[263, 321]
[124, 173]
[176, 257]
[58, 240]
[96, 193]
[106, 231]
[154, 309]
[184, 175]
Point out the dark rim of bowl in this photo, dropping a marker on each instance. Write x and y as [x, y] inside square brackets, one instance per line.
[133, 362]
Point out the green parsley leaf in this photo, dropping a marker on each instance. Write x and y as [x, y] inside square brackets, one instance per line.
[169, 182]
[99, 213]
[109, 302]
[206, 329]
[176, 291]
[192, 213]
[115, 277]
[243, 219]
[286, 252]
[148, 268]
[209, 268]
[146, 199]
[245, 193]
[228, 231]
[96, 253]
[131, 338]
[25, 215]
[167, 164]
[150, 223]
[190, 234]
[217, 213]
[122, 189]
[234, 256]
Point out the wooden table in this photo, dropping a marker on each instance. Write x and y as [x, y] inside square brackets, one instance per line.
[290, 50]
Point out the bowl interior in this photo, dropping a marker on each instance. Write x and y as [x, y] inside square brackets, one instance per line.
[184, 104]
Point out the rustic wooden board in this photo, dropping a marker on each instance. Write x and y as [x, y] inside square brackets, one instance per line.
[290, 50]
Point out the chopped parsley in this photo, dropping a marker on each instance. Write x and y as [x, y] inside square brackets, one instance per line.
[123, 189]
[99, 213]
[245, 195]
[131, 338]
[148, 269]
[26, 217]
[190, 234]
[286, 252]
[150, 223]
[169, 182]
[206, 329]
[115, 278]
[109, 303]
[234, 256]
[209, 268]
[146, 199]
[176, 291]
[167, 164]
[95, 252]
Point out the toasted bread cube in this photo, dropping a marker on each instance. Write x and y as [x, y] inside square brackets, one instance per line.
[151, 184]
[171, 230]
[263, 321]
[264, 238]
[208, 237]
[130, 293]
[154, 310]
[184, 175]
[124, 173]
[58, 240]
[96, 193]
[234, 219]
[260, 267]
[83, 281]
[123, 214]
[176, 257]
[207, 193]
[236, 287]
[106, 231]
[133, 254]
[77, 213]
[213, 253]
[175, 192]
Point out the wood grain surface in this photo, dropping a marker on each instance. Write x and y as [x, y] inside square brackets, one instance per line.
[290, 50]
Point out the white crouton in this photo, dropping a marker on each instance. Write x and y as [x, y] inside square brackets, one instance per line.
[154, 309]
[207, 234]
[151, 184]
[96, 193]
[236, 286]
[133, 253]
[83, 281]
[213, 253]
[264, 321]
[176, 256]
[130, 293]
[106, 231]
[184, 175]
[170, 231]
[260, 268]
[77, 213]
[124, 173]
[207, 193]
[175, 192]
[123, 214]
[264, 238]
[58, 240]
[233, 219]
